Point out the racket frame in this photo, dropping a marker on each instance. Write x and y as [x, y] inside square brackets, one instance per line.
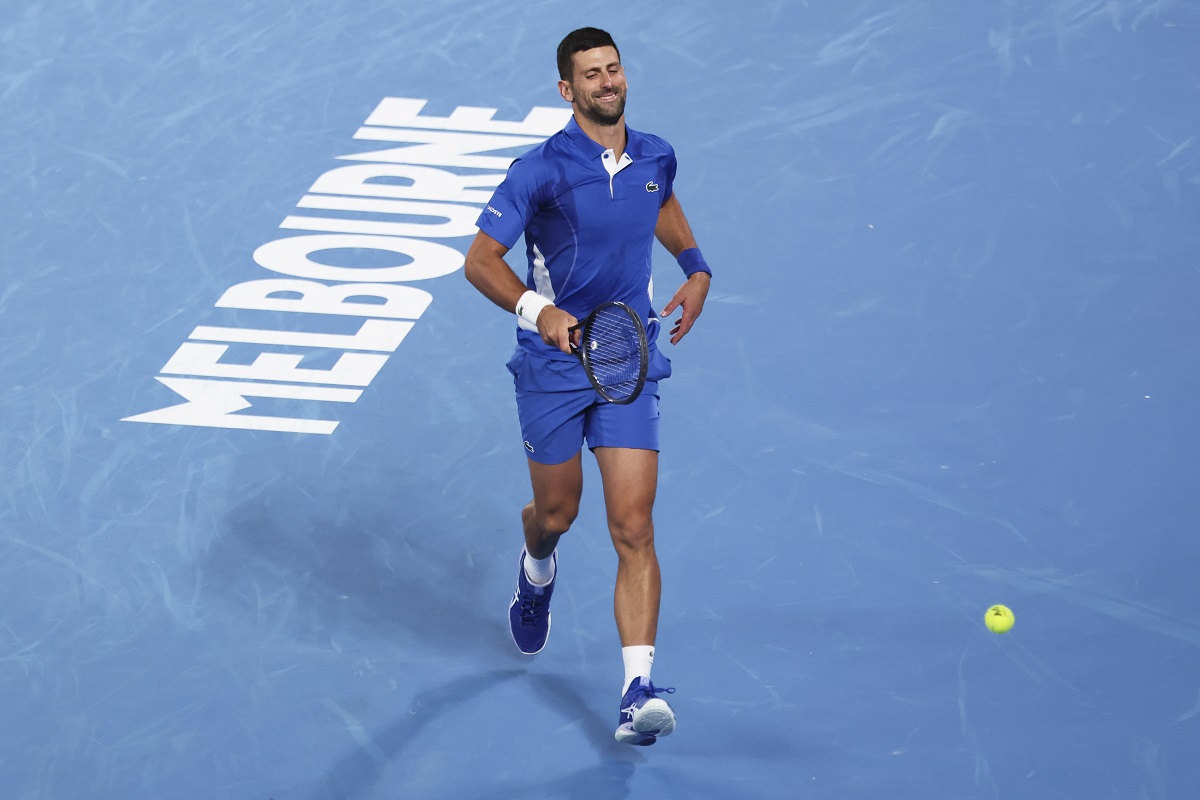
[583, 353]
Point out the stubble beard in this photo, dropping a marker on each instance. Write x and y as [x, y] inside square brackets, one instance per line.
[602, 115]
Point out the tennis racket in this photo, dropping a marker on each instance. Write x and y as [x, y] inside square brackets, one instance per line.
[612, 346]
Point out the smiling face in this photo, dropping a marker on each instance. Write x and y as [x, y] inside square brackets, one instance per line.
[597, 86]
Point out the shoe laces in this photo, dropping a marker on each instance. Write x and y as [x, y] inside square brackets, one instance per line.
[650, 691]
[531, 608]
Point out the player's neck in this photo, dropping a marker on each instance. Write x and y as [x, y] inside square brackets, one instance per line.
[607, 136]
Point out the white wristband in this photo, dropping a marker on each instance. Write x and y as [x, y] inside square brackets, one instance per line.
[530, 305]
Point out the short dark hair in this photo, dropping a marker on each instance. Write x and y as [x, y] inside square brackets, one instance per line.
[576, 42]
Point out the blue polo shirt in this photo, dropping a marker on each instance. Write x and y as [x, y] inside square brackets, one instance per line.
[588, 225]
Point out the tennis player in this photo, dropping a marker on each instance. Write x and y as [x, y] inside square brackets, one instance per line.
[590, 201]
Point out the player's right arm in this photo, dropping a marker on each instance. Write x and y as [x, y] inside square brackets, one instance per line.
[487, 271]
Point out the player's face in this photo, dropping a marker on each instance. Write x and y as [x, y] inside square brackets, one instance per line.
[597, 87]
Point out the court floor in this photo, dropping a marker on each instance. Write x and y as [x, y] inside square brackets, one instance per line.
[262, 470]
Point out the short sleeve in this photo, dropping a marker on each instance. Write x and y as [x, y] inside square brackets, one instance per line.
[669, 168]
[512, 205]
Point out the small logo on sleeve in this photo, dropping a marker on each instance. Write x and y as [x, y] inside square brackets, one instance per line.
[529, 447]
[491, 210]
[651, 187]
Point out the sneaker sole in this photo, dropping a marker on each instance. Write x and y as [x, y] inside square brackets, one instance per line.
[626, 735]
[655, 718]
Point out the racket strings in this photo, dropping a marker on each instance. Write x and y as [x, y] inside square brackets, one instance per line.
[614, 352]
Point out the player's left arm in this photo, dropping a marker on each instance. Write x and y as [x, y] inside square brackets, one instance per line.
[673, 231]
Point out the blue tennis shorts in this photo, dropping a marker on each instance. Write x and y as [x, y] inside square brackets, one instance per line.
[555, 424]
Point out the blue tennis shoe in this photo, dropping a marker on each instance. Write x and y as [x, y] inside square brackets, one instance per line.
[644, 715]
[529, 612]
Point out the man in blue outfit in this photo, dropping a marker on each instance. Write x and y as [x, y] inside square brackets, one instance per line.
[590, 201]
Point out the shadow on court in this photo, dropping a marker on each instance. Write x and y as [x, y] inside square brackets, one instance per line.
[357, 773]
[398, 581]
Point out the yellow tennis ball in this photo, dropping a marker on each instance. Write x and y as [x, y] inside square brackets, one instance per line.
[999, 619]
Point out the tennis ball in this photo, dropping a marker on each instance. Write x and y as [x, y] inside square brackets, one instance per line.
[999, 619]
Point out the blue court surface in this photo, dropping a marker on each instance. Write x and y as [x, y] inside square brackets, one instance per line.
[262, 469]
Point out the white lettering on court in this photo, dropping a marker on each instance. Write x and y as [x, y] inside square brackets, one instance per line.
[425, 190]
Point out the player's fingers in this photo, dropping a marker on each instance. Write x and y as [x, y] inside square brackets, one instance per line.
[676, 301]
[678, 331]
[554, 337]
[683, 325]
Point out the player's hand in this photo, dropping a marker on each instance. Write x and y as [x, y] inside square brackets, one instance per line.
[689, 298]
[554, 325]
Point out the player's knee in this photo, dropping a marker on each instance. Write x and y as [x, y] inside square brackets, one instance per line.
[632, 534]
[556, 519]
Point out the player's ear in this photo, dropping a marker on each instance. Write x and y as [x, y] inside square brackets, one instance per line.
[564, 88]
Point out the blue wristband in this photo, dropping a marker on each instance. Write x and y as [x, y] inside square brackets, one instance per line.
[691, 262]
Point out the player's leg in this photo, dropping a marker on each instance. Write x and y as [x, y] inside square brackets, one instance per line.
[552, 428]
[557, 489]
[556, 492]
[625, 441]
[630, 478]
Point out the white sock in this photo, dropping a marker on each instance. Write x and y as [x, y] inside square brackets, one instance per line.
[539, 571]
[638, 661]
